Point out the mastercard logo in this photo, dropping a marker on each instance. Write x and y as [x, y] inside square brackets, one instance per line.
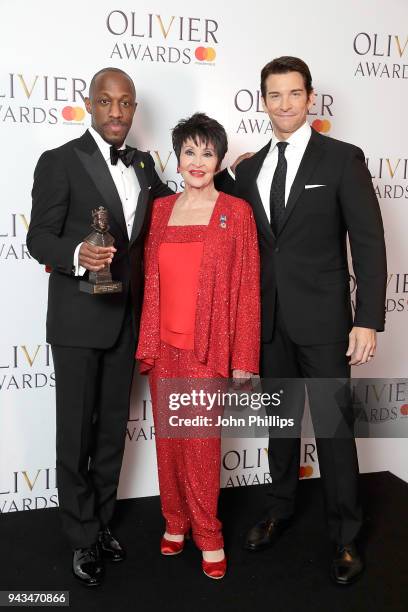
[404, 410]
[73, 113]
[205, 54]
[321, 125]
[305, 471]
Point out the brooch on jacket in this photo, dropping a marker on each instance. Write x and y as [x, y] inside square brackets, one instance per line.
[141, 164]
[223, 221]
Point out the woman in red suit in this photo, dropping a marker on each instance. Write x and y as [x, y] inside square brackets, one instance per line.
[200, 319]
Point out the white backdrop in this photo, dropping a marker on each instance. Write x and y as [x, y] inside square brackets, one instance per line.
[182, 62]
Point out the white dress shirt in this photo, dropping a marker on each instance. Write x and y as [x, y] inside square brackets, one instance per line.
[294, 152]
[126, 183]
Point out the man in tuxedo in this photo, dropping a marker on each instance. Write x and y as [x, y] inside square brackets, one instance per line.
[93, 337]
[309, 192]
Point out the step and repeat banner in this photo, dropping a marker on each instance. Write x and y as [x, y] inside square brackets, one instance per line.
[185, 60]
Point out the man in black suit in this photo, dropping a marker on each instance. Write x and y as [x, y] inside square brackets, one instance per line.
[93, 337]
[308, 193]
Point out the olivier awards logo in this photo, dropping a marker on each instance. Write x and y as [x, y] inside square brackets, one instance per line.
[379, 401]
[36, 99]
[167, 39]
[32, 489]
[250, 465]
[24, 367]
[166, 165]
[140, 425]
[13, 232]
[397, 292]
[252, 119]
[390, 176]
[380, 55]
[308, 458]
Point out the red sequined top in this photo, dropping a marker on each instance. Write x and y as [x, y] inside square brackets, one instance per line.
[227, 315]
[180, 256]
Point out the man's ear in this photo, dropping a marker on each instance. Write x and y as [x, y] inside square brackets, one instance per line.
[311, 99]
[88, 105]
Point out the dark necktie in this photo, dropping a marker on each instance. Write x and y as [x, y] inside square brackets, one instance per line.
[277, 195]
[126, 155]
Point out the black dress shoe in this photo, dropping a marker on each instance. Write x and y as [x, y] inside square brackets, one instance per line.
[110, 547]
[347, 564]
[265, 533]
[87, 566]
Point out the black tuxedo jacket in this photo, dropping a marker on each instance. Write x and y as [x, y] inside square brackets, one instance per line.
[306, 263]
[69, 182]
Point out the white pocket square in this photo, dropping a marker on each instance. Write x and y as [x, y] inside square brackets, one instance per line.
[313, 186]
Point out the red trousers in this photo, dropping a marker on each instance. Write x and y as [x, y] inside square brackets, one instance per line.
[189, 469]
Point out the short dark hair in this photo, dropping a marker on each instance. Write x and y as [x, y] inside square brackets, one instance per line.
[283, 65]
[200, 128]
[103, 71]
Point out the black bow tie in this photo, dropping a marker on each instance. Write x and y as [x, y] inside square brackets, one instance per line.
[126, 155]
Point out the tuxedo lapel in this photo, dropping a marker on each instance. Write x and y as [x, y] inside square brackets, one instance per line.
[92, 159]
[250, 174]
[143, 198]
[310, 159]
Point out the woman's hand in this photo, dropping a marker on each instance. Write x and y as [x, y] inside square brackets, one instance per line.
[240, 377]
[240, 159]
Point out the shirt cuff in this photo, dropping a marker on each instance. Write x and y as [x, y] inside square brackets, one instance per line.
[230, 172]
[78, 270]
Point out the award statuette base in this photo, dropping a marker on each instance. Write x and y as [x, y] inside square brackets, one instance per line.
[101, 288]
[100, 282]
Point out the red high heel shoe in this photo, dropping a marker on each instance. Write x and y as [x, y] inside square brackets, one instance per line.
[169, 547]
[215, 569]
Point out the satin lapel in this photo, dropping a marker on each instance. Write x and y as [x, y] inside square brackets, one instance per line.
[252, 170]
[143, 198]
[311, 157]
[97, 169]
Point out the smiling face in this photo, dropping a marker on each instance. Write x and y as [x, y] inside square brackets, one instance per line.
[286, 102]
[112, 104]
[198, 163]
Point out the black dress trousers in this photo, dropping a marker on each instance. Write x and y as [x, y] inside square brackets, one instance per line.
[283, 359]
[92, 401]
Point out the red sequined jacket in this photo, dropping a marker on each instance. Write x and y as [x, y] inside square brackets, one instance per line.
[227, 324]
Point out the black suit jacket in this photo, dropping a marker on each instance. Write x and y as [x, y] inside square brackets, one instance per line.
[306, 263]
[69, 182]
